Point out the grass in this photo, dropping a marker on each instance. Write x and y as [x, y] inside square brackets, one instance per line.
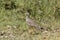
[44, 12]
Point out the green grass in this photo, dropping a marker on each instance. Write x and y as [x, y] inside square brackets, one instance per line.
[44, 12]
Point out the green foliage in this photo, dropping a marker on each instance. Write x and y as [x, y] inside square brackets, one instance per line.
[44, 12]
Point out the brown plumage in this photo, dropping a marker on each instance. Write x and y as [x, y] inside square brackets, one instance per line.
[32, 23]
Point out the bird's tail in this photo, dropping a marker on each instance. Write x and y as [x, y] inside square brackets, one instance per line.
[39, 27]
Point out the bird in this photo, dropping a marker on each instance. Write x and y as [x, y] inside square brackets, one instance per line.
[31, 22]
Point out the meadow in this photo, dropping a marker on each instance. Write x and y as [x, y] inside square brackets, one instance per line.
[13, 25]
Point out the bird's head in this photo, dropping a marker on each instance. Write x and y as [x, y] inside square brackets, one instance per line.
[27, 14]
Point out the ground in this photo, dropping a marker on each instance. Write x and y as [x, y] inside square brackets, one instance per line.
[45, 13]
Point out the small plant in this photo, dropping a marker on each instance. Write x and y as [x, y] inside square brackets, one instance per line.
[10, 5]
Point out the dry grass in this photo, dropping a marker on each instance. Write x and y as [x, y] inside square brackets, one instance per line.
[45, 12]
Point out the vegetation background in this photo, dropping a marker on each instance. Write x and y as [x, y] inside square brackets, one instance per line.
[13, 26]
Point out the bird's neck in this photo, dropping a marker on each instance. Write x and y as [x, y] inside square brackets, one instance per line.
[27, 17]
